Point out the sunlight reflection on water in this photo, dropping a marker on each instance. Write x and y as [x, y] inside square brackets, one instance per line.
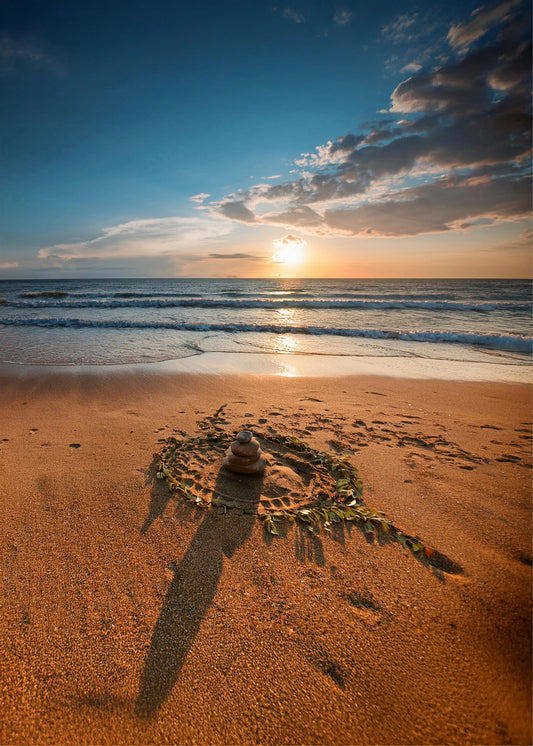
[286, 343]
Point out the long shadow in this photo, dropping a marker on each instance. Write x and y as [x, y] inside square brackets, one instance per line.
[189, 596]
[159, 498]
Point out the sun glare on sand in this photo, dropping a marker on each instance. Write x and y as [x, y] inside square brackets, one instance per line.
[290, 250]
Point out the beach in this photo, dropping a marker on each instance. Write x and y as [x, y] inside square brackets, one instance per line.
[131, 616]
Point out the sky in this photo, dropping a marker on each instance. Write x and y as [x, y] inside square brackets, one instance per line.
[264, 139]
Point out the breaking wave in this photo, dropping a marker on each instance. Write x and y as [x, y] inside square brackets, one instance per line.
[508, 342]
[137, 300]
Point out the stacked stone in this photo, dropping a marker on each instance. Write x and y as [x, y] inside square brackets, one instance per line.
[244, 455]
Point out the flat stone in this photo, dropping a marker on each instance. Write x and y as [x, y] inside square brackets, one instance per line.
[231, 458]
[246, 450]
[244, 436]
[257, 467]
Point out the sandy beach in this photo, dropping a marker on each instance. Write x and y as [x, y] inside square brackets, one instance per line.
[130, 616]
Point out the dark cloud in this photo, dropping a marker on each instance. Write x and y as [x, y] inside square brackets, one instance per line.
[237, 211]
[295, 216]
[348, 142]
[464, 129]
[249, 257]
[435, 207]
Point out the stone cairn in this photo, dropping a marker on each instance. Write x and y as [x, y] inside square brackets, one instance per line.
[244, 455]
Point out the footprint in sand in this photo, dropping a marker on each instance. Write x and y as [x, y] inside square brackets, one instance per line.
[364, 607]
[332, 669]
[361, 601]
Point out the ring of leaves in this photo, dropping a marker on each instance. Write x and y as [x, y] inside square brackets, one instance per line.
[346, 506]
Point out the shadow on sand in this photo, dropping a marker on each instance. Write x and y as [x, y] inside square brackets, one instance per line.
[190, 594]
[196, 580]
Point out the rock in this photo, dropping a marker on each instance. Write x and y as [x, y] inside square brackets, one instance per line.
[232, 458]
[244, 455]
[244, 436]
[257, 467]
[247, 450]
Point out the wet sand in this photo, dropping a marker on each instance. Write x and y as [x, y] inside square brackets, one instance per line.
[131, 617]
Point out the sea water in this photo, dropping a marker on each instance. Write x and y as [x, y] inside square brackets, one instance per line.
[110, 321]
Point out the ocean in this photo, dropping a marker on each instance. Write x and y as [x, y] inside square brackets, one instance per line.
[103, 322]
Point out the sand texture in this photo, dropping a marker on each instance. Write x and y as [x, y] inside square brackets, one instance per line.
[130, 616]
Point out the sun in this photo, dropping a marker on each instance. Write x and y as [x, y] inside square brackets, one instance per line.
[290, 250]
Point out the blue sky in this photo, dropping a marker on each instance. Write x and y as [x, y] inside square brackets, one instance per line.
[388, 139]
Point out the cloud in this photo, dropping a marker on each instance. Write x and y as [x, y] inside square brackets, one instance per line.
[17, 54]
[154, 237]
[295, 216]
[199, 198]
[463, 35]
[401, 28]
[454, 147]
[411, 67]
[293, 15]
[9, 265]
[237, 211]
[435, 208]
[521, 245]
[9, 48]
[342, 17]
[248, 257]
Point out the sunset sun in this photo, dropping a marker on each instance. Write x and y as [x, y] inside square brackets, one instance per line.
[290, 250]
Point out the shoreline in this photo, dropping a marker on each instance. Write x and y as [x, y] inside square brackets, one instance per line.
[299, 365]
[130, 617]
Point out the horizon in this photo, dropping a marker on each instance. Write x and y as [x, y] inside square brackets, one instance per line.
[269, 278]
[397, 146]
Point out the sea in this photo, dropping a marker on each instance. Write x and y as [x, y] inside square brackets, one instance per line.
[127, 321]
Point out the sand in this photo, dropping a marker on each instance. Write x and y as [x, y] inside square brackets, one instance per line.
[129, 616]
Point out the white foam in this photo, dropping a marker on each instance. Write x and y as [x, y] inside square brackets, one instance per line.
[508, 342]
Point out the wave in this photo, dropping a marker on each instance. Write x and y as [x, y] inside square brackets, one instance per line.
[509, 342]
[45, 294]
[96, 296]
[128, 300]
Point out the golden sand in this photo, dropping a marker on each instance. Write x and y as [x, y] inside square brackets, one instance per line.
[131, 617]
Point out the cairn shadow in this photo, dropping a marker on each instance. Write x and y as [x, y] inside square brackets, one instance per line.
[189, 597]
